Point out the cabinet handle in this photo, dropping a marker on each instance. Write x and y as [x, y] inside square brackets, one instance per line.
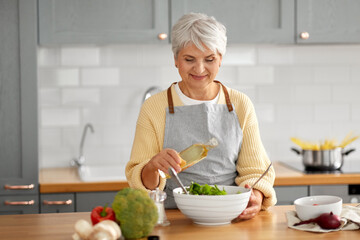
[162, 36]
[304, 35]
[67, 202]
[31, 202]
[19, 187]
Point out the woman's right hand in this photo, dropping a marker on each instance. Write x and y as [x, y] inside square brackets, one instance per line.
[165, 159]
[161, 161]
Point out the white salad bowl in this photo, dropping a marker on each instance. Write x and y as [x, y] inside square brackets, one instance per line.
[213, 209]
[313, 206]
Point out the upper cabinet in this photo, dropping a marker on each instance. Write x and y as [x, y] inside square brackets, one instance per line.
[150, 21]
[270, 21]
[103, 22]
[328, 21]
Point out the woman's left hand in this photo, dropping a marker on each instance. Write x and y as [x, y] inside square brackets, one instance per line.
[253, 207]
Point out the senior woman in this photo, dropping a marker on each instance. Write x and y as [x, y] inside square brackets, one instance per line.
[194, 110]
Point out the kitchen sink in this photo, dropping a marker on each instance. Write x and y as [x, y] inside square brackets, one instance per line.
[101, 173]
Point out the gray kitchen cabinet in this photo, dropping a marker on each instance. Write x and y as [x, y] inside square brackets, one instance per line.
[18, 107]
[102, 22]
[328, 21]
[246, 21]
[343, 191]
[57, 202]
[86, 201]
[286, 195]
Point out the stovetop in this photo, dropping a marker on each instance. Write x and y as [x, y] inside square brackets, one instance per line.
[349, 166]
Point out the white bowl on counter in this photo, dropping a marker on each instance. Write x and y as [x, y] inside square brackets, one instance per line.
[213, 209]
[313, 206]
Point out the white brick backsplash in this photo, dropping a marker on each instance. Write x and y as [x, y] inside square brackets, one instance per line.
[48, 57]
[227, 75]
[49, 97]
[255, 75]
[121, 55]
[346, 94]
[275, 94]
[58, 77]
[102, 115]
[294, 75]
[100, 77]
[355, 112]
[327, 75]
[239, 55]
[265, 112]
[80, 56]
[327, 55]
[55, 156]
[275, 55]
[305, 91]
[313, 94]
[156, 55]
[355, 74]
[50, 137]
[296, 113]
[332, 113]
[137, 77]
[59, 117]
[80, 97]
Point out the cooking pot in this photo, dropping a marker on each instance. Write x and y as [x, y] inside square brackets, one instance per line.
[326, 160]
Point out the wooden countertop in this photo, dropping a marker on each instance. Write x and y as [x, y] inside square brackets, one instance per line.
[56, 180]
[269, 224]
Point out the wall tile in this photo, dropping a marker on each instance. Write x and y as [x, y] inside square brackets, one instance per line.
[265, 112]
[355, 112]
[330, 74]
[239, 55]
[48, 57]
[275, 55]
[49, 97]
[327, 55]
[332, 113]
[312, 94]
[100, 77]
[58, 77]
[50, 137]
[256, 75]
[275, 94]
[294, 113]
[59, 117]
[293, 75]
[80, 97]
[80, 56]
[346, 94]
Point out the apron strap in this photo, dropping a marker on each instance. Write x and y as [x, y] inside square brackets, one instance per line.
[227, 98]
[170, 100]
[171, 103]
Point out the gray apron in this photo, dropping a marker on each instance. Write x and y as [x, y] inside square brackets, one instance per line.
[186, 125]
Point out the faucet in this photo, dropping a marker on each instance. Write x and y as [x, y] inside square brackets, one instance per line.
[151, 91]
[81, 159]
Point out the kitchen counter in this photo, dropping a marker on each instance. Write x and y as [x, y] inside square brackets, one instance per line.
[56, 180]
[269, 224]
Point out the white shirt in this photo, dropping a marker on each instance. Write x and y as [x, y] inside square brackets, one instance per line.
[189, 101]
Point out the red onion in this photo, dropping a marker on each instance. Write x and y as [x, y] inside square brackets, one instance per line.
[325, 221]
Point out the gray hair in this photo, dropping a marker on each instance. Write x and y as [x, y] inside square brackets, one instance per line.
[199, 29]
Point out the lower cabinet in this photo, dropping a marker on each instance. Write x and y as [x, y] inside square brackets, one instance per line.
[286, 195]
[57, 202]
[19, 204]
[86, 201]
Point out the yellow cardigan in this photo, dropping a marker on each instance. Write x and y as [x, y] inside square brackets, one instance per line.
[149, 139]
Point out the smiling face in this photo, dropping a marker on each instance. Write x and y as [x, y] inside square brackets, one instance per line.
[197, 68]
